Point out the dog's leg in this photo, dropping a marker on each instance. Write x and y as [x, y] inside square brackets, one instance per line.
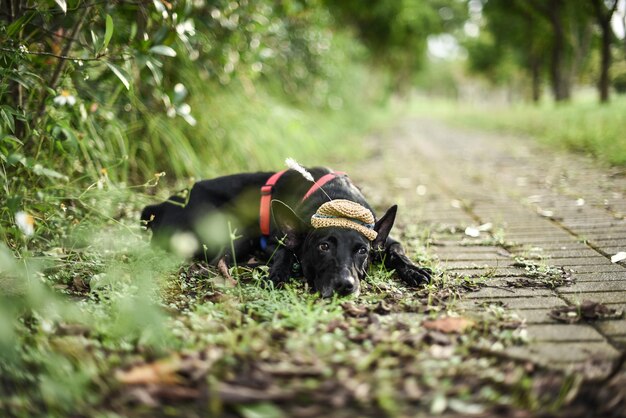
[391, 252]
[282, 262]
[395, 258]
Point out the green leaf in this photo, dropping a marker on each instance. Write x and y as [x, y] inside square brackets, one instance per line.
[11, 138]
[43, 171]
[8, 119]
[163, 50]
[62, 4]
[15, 158]
[16, 26]
[108, 33]
[260, 410]
[157, 74]
[120, 74]
[95, 42]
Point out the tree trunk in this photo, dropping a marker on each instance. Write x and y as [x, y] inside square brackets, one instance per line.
[604, 14]
[559, 79]
[605, 63]
[535, 72]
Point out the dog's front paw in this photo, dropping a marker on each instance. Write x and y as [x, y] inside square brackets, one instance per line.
[278, 278]
[414, 276]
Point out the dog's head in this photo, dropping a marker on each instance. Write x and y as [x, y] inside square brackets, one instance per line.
[333, 259]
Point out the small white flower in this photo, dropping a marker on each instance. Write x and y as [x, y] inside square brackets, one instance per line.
[184, 109]
[179, 88]
[187, 27]
[23, 49]
[65, 98]
[25, 222]
[47, 326]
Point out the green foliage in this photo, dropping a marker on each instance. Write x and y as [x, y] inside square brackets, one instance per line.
[131, 89]
[396, 32]
[535, 41]
[582, 126]
[98, 96]
[619, 78]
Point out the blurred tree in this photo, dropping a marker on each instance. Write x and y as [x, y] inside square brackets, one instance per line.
[396, 32]
[514, 34]
[571, 35]
[527, 28]
[603, 11]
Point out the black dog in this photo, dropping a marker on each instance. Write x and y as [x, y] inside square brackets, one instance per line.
[221, 215]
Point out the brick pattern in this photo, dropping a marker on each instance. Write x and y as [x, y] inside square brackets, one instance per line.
[561, 209]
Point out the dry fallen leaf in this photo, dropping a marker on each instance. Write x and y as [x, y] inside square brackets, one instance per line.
[620, 256]
[176, 369]
[545, 213]
[472, 231]
[382, 308]
[353, 310]
[159, 372]
[587, 310]
[222, 267]
[449, 324]
[486, 227]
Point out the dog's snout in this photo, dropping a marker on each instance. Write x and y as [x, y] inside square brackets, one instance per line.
[345, 286]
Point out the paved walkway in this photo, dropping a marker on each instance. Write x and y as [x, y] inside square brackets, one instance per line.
[563, 214]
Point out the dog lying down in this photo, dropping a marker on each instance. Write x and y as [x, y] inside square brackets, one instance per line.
[313, 223]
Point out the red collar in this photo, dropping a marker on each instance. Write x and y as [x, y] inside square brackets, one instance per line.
[268, 188]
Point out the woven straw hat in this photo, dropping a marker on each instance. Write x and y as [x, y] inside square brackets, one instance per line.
[343, 213]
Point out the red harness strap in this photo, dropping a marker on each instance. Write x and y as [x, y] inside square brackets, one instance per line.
[322, 181]
[266, 202]
[266, 196]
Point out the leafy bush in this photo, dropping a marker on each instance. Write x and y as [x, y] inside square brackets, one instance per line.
[129, 89]
[98, 96]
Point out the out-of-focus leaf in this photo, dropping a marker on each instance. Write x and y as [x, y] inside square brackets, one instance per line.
[11, 138]
[42, 171]
[62, 4]
[163, 50]
[120, 74]
[157, 74]
[16, 158]
[94, 41]
[449, 324]
[15, 27]
[108, 32]
[8, 119]
[159, 372]
[260, 410]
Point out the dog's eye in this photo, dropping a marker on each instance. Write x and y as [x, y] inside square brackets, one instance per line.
[323, 247]
[362, 250]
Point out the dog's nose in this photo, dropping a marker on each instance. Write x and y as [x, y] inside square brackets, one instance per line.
[345, 286]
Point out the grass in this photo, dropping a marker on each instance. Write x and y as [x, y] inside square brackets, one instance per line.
[582, 126]
[97, 323]
[110, 326]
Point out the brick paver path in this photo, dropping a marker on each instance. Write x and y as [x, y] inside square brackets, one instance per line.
[557, 209]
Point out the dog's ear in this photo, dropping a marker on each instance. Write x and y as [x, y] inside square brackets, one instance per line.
[383, 227]
[289, 224]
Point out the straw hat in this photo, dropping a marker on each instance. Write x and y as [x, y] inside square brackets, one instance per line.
[343, 213]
